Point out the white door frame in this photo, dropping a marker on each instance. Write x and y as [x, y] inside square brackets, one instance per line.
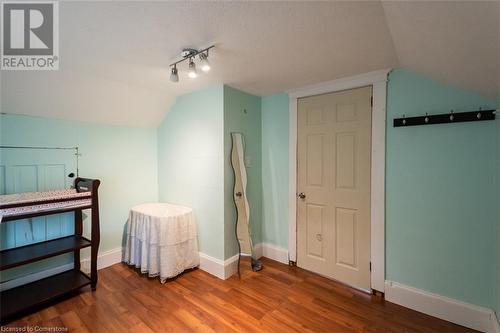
[378, 80]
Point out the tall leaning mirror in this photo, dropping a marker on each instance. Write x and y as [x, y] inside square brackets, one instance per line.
[243, 226]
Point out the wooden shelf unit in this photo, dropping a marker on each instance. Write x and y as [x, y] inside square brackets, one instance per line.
[26, 254]
[19, 300]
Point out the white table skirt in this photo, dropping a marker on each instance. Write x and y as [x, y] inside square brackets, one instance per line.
[161, 240]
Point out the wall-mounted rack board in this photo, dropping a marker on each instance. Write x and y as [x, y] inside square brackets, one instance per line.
[445, 118]
[77, 153]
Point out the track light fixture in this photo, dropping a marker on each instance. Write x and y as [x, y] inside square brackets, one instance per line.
[190, 55]
[192, 69]
[174, 77]
[205, 65]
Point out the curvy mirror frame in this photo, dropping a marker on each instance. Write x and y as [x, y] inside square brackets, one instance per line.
[241, 201]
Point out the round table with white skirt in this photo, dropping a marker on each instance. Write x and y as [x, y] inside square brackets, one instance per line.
[161, 240]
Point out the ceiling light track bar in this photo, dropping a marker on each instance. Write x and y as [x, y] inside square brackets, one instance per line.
[191, 54]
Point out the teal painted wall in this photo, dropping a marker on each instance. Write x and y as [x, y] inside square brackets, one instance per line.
[275, 128]
[123, 158]
[441, 200]
[443, 220]
[191, 162]
[242, 113]
[440, 193]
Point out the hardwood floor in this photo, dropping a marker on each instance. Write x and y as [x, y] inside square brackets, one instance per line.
[277, 299]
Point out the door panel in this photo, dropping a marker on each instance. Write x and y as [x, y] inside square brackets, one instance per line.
[345, 230]
[315, 224]
[333, 171]
[314, 162]
[345, 161]
[345, 112]
[316, 116]
[55, 177]
[25, 178]
[31, 170]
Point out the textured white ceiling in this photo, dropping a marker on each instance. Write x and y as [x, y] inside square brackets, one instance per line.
[454, 42]
[115, 55]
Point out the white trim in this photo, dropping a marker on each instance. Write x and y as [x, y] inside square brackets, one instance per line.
[34, 277]
[345, 83]
[230, 266]
[378, 80]
[223, 269]
[455, 311]
[212, 265]
[377, 196]
[257, 250]
[292, 180]
[104, 259]
[272, 251]
[495, 326]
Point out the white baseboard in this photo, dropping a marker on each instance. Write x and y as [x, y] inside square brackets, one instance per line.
[230, 266]
[455, 311]
[272, 251]
[222, 269]
[257, 250]
[34, 276]
[495, 326]
[104, 259]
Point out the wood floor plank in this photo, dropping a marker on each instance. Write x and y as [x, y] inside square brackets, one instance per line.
[280, 298]
[194, 323]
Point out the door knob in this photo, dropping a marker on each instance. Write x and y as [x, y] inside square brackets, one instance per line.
[302, 195]
[238, 194]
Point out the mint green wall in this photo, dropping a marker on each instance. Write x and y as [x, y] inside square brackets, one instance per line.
[191, 162]
[442, 215]
[194, 167]
[275, 124]
[441, 200]
[440, 193]
[123, 158]
[242, 113]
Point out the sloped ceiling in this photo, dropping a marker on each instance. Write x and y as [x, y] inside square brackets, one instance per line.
[115, 55]
[454, 42]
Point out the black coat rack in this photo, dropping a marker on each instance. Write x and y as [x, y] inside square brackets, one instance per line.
[445, 118]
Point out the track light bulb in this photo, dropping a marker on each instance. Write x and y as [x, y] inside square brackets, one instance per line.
[192, 69]
[174, 76]
[205, 65]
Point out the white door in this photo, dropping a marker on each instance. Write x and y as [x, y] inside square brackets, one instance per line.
[333, 185]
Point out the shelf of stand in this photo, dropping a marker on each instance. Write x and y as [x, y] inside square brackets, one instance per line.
[17, 300]
[43, 213]
[30, 253]
[31, 296]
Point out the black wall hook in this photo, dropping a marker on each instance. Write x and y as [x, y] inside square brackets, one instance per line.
[445, 118]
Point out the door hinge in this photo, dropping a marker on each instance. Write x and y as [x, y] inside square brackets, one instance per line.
[371, 101]
[370, 266]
